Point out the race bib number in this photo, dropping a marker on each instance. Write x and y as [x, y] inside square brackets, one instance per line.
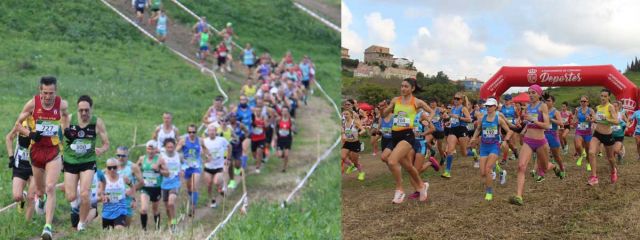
[583, 126]
[401, 120]
[470, 126]
[257, 131]
[283, 132]
[150, 179]
[80, 147]
[490, 132]
[48, 129]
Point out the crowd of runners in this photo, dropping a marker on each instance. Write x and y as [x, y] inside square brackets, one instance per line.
[414, 134]
[48, 139]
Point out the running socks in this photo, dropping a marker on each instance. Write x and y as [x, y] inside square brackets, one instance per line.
[143, 219]
[449, 162]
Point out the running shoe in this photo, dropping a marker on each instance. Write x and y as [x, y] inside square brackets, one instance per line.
[46, 232]
[446, 174]
[593, 180]
[515, 200]
[488, 196]
[614, 176]
[434, 163]
[424, 193]
[588, 167]
[361, 176]
[414, 195]
[232, 184]
[351, 168]
[503, 177]
[398, 197]
[476, 164]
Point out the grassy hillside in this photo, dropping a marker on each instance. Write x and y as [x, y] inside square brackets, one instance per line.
[275, 27]
[91, 51]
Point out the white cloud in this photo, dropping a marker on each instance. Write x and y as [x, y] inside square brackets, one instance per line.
[539, 46]
[350, 38]
[380, 30]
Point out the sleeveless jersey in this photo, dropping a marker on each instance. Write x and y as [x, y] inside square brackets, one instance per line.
[404, 115]
[150, 177]
[48, 123]
[83, 148]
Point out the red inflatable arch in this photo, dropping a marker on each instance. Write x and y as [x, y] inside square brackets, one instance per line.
[572, 76]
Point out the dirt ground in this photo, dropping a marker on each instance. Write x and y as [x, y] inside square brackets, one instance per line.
[456, 209]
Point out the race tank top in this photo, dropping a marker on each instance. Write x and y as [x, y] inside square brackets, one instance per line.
[490, 130]
[83, 148]
[174, 165]
[284, 128]
[48, 123]
[404, 115]
[150, 177]
[191, 151]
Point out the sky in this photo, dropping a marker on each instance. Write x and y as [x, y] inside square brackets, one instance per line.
[473, 38]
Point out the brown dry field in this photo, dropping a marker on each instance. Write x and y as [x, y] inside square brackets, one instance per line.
[456, 209]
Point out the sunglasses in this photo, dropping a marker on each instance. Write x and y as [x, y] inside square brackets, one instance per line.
[112, 168]
[121, 155]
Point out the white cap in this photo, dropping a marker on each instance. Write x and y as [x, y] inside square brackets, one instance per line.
[491, 102]
[152, 143]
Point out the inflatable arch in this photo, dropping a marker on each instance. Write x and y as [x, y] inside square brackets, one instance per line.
[571, 76]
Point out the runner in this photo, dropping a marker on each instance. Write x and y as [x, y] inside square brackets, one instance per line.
[618, 132]
[221, 54]
[132, 171]
[165, 130]
[199, 27]
[163, 22]
[490, 143]
[566, 116]
[97, 181]
[214, 110]
[457, 130]
[171, 170]
[438, 135]
[404, 110]
[552, 134]
[605, 117]
[191, 153]
[285, 138]
[512, 115]
[214, 150]
[536, 120]
[204, 47]
[21, 168]
[80, 154]
[139, 6]
[113, 193]
[248, 58]
[49, 112]
[351, 129]
[636, 134]
[152, 180]
[155, 6]
[583, 118]
[238, 148]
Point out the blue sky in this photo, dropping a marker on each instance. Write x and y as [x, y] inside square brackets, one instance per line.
[475, 38]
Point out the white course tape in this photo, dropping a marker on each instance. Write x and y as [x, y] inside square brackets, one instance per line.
[316, 16]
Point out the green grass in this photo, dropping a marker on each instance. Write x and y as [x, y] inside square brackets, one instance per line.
[275, 27]
[312, 216]
[91, 51]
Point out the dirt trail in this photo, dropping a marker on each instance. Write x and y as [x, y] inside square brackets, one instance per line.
[554, 209]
